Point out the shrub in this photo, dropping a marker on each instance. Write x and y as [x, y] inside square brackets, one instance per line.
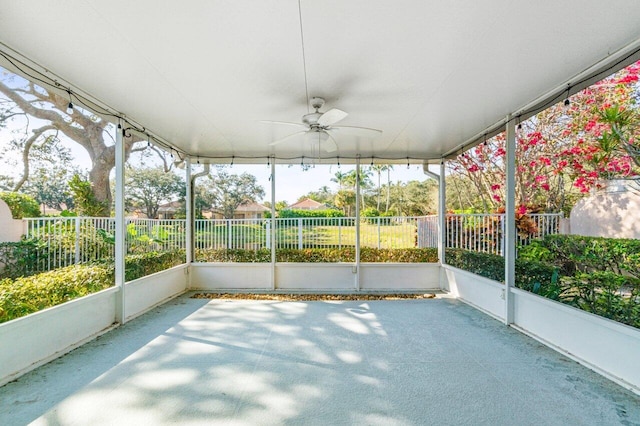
[23, 258]
[26, 295]
[141, 265]
[21, 205]
[30, 294]
[320, 255]
[295, 213]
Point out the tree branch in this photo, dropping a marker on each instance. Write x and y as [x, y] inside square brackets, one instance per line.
[25, 154]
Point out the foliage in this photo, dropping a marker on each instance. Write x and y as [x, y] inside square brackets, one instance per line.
[141, 265]
[561, 153]
[30, 294]
[294, 213]
[147, 188]
[85, 200]
[579, 254]
[23, 258]
[37, 112]
[25, 295]
[319, 255]
[228, 191]
[21, 205]
[598, 275]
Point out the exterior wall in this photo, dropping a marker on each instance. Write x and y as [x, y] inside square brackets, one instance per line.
[216, 276]
[146, 292]
[613, 214]
[38, 338]
[10, 228]
[405, 276]
[316, 276]
[608, 347]
[482, 293]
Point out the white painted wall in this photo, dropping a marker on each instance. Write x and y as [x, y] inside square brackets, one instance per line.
[10, 228]
[614, 213]
[405, 276]
[36, 339]
[608, 347]
[316, 276]
[482, 293]
[30, 341]
[217, 276]
[146, 292]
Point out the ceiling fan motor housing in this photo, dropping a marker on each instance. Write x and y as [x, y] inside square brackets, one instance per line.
[311, 119]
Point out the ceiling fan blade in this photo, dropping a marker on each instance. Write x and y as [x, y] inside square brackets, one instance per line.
[283, 122]
[286, 138]
[332, 116]
[330, 144]
[356, 129]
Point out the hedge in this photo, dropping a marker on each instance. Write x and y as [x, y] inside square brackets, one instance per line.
[25, 295]
[597, 275]
[319, 255]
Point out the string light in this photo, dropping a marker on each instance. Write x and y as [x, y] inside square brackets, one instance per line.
[148, 141]
[232, 158]
[198, 160]
[567, 102]
[268, 162]
[338, 159]
[371, 161]
[70, 106]
[408, 163]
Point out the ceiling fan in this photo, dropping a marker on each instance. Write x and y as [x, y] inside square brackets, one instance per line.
[322, 124]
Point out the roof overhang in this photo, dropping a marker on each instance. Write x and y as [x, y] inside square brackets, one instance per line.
[435, 76]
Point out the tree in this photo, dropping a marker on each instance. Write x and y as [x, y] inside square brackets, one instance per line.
[42, 113]
[231, 190]
[378, 169]
[21, 205]
[84, 199]
[323, 195]
[148, 188]
[564, 151]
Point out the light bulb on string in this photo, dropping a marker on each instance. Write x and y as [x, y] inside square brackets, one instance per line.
[70, 105]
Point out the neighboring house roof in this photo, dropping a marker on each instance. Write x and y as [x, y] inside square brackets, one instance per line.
[307, 204]
[251, 207]
[169, 207]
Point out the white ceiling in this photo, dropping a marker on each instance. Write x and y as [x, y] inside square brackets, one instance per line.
[432, 75]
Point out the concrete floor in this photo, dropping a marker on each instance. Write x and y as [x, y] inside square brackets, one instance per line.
[194, 361]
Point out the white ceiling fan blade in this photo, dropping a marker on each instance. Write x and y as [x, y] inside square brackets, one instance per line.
[287, 123]
[330, 144]
[332, 116]
[286, 138]
[356, 129]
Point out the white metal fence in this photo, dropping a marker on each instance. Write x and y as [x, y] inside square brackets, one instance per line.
[81, 239]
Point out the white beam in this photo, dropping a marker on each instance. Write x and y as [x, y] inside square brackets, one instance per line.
[273, 223]
[442, 212]
[189, 213]
[510, 221]
[120, 236]
[357, 265]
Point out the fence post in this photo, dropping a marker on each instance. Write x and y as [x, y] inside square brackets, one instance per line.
[502, 235]
[229, 234]
[378, 232]
[77, 256]
[267, 243]
[339, 233]
[299, 233]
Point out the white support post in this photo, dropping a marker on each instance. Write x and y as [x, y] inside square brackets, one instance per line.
[357, 266]
[120, 244]
[189, 240]
[77, 253]
[510, 221]
[273, 224]
[442, 215]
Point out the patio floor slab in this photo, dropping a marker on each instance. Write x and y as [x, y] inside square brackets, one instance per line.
[401, 362]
